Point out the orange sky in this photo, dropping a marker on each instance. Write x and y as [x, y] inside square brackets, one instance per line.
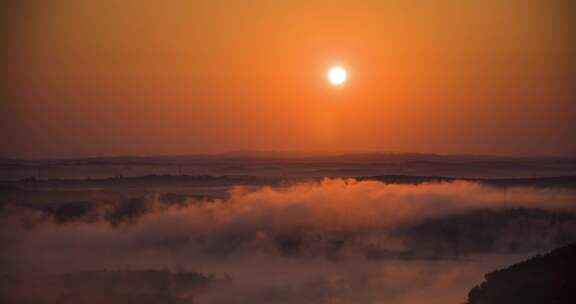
[91, 78]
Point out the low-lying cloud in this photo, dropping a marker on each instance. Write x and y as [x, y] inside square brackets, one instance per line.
[333, 218]
[326, 232]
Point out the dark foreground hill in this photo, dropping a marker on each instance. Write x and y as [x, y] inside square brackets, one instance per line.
[543, 279]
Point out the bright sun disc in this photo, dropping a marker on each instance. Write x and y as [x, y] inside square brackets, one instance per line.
[337, 75]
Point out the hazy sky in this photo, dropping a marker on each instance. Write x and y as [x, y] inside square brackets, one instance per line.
[89, 78]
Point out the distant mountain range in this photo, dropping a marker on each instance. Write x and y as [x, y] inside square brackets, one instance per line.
[255, 154]
[287, 164]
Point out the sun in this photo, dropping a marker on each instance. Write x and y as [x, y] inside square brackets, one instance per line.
[337, 75]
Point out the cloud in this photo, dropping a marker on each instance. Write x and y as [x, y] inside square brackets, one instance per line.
[355, 241]
[333, 219]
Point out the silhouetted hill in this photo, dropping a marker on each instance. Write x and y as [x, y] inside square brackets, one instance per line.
[543, 279]
[224, 180]
[546, 182]
[270, 164]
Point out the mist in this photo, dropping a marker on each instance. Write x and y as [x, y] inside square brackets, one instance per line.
[356, 241]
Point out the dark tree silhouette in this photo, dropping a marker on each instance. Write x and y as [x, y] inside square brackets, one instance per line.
[543, 279]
